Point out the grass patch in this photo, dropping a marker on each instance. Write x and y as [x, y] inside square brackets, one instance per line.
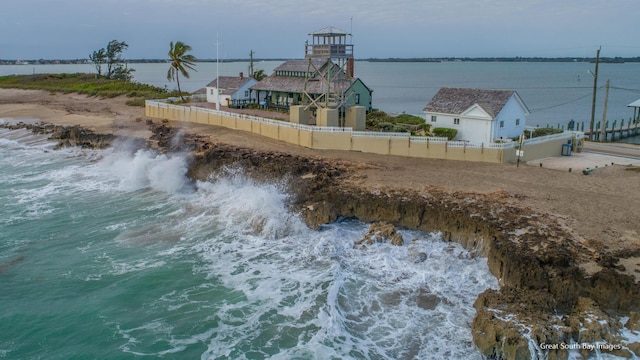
[633, 168]
[87, 84]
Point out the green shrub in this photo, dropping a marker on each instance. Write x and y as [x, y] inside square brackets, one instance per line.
[545, 131]
[385, 126]
[445, 132]
[409, 119]
[424, 127]
[381, 121]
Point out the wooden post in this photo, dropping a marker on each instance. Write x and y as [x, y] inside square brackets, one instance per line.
[593, 100]
[604, 115]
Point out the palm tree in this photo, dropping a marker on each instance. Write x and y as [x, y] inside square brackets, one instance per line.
[180, 62]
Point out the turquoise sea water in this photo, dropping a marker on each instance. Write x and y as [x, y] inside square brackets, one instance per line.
[114, 254]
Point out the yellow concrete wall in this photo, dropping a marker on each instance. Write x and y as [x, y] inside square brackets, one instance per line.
[201, 117]
[229, 122]
[436, 151]
[399, 146]
[244, 124]
[331, 140]
[269, 130]
[543, 150]
[370, 145]
[289, 135]
[257, 128]
[537, 151]
[305, 138]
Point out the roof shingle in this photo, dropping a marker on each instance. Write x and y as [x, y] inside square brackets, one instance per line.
[229, 84]
[457, 100]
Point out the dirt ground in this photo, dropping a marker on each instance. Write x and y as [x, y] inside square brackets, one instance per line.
[602, 207]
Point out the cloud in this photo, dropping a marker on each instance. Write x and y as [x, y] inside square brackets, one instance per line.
[401, 28]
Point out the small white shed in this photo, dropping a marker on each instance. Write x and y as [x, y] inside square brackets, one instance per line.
[233, 89]
[479, 115]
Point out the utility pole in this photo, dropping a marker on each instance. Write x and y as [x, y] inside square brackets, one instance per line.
[251, 64]
[603, 136]
[593, 101]
[218, 73]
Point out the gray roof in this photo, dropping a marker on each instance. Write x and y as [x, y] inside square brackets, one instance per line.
[295, 84]
[229, 84]
[298, 65]
[457, 100]
[329, 31]
[634, 104]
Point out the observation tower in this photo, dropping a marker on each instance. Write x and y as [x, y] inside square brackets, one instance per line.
[329, 72]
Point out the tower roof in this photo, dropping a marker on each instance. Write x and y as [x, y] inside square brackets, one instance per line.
[329, 31]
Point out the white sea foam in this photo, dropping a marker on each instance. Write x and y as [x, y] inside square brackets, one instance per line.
[146, 169]
[334, 299]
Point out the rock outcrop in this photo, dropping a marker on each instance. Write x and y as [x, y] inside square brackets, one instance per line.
[380, 232]
[68, 136]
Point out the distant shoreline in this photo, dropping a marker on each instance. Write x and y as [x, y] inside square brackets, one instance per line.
[608, 60]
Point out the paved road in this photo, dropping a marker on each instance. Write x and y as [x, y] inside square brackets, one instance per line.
[614, 149]
[593, 155]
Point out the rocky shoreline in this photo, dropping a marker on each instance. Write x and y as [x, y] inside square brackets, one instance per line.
[554, 288]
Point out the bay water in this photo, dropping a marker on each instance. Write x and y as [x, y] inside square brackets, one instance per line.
[555, 92]
[115, 254]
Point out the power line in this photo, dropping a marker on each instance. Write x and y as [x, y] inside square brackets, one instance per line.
[626, 89]
[564, 103]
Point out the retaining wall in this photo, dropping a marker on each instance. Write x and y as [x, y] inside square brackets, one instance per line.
[336, 138]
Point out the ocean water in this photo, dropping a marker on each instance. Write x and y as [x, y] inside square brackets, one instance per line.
[116, 254]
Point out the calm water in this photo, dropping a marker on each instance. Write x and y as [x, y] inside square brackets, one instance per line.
[115, 254]
[554, 92]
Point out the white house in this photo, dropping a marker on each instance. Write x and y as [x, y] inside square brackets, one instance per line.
[234, 90]
[479, 115]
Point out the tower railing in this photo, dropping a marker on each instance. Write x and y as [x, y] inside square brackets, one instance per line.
[323, 51]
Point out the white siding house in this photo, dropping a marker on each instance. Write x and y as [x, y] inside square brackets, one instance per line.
[234, 90]
[479, 115]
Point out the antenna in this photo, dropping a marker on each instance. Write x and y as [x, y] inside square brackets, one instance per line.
[351, 28]
[217, 75]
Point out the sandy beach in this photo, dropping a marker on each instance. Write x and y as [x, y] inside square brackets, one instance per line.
[600, 207]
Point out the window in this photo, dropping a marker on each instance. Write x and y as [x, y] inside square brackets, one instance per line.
[456, 121]
[246, 93]
[434, 118]
[501, 124]
[357, 98]
[517, 122]
[212, 93]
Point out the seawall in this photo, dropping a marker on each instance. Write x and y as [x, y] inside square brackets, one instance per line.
[336, 138]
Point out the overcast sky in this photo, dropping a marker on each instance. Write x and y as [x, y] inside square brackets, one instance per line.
[70, 29]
